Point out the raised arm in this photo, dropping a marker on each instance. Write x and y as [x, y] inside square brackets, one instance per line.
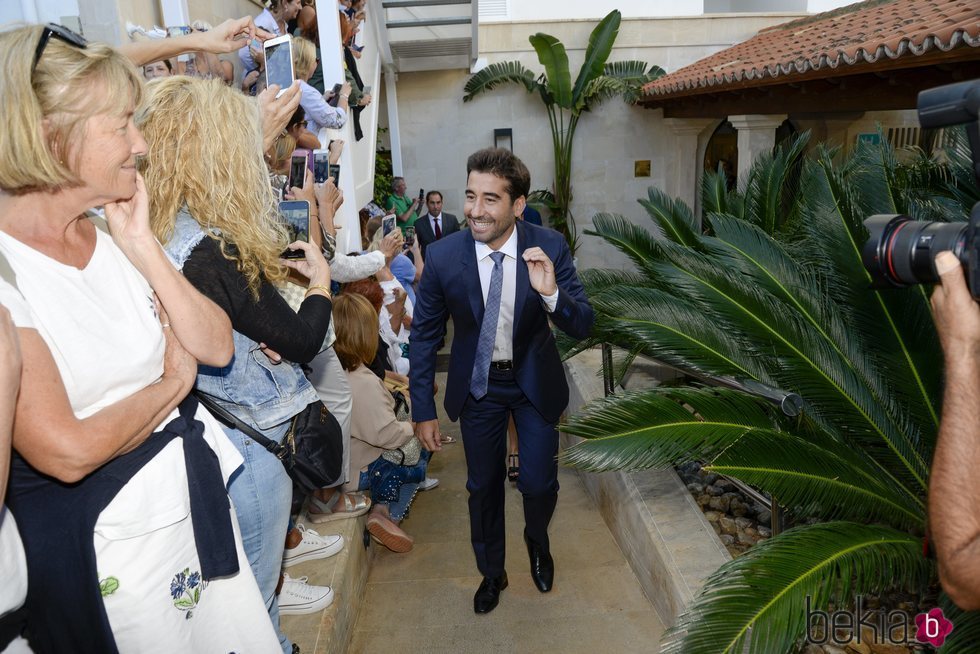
[953, 492]
[226, 37]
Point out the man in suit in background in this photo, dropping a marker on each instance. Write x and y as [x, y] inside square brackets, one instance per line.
[501, 281]
[435, 224]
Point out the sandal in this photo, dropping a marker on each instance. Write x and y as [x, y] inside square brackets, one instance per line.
[513, 469]
[446, 440]
[355, 504]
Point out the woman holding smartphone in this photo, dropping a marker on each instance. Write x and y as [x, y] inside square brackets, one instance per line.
[212, 206]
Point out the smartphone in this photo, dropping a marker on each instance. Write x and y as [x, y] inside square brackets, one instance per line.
[296, 218]
[387, 224]
[297, 170]
[334, 171]
[320, 166]
[409, 237]
[367, 90]
[181, 30]
[335, 98]
[279, 62]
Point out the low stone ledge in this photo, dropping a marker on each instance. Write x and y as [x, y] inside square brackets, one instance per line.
[663, 534]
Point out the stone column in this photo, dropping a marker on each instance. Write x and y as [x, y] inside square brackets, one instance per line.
[684, 174]
[756, 136]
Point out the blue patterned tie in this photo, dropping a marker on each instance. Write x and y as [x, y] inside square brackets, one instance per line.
[488, 331]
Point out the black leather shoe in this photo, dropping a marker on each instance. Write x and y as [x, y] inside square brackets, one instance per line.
[542, 565]
[488, 594]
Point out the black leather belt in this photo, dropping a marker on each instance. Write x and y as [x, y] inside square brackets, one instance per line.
[502, 365]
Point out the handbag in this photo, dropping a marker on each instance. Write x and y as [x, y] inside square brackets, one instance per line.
[406, 455]
[312, 451]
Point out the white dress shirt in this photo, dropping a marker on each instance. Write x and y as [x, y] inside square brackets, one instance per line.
[503, 346]
[442, 225]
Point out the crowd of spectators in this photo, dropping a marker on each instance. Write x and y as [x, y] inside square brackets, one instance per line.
[151, 331]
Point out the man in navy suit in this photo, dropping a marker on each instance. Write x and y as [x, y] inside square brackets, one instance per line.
[501, 281]
[435, 224]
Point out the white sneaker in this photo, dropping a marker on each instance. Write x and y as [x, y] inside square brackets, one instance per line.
[313, 546]
[299, 598]
[428, 483]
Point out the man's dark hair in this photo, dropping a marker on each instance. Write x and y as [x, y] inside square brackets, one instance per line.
[502, 163]
[431, 193]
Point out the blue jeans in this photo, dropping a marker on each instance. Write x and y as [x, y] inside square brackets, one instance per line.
[262, 492]
[393, 484]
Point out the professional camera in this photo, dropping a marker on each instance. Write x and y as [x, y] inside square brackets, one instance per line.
[900, 251]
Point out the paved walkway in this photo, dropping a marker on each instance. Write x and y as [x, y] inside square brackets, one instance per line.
[422, 601]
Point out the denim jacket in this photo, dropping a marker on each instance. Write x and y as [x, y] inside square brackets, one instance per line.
[250, 387]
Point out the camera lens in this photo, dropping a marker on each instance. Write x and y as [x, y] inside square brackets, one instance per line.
[900, 251]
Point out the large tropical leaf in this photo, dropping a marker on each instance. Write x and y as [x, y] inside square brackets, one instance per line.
[816, 476]
[715, 196]
[551, 54]
[596, 53]
[634, 75]
[965, 638]
[760, 599]
[656, 427]
[673, 217]
[770, 198]
[494, 75]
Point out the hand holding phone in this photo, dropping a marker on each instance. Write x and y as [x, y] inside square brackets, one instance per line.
[334, 95]
[297, 170]
[296, 218]
[279, 62]
[409, 238]
[321, 166]
[387, 224]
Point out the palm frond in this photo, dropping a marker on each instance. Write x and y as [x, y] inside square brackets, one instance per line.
[715, 196]
[494, 75]
[817, 476]
[650, 321]
[673, 217]
[655, 427]
[770, 198]
[965, 637]
[758, 602]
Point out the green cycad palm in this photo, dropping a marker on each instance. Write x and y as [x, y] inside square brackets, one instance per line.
[793, 311]
[565, 101]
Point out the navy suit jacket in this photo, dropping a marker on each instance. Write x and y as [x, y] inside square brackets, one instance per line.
[450, 286]
[425, 234]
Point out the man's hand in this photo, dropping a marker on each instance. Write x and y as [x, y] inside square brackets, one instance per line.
[541, 272]
[276, 112]
[956, 313]
[427, 432]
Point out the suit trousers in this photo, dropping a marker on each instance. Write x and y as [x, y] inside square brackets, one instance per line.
[483, 424]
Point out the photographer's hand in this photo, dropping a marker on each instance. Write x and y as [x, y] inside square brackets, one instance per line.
[953, 495]
[276, 112]
[956, 313]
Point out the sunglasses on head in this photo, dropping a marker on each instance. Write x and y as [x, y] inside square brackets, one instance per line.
[62, 34]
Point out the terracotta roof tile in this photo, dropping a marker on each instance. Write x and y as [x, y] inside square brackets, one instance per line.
[865, 32]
